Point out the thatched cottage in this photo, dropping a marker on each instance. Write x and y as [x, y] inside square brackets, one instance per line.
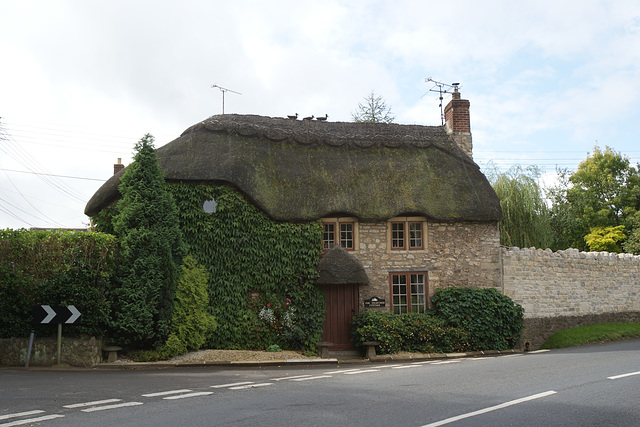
[405, 209]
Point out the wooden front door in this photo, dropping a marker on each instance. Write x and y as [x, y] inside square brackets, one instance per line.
[342, 304]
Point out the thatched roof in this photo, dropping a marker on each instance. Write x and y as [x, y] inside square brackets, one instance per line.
[303, 170]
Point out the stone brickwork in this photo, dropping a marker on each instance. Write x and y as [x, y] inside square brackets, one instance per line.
[454, 254]
[84, 351]
[563, 289]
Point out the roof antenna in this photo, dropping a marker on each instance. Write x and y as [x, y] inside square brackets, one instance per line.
[441, 89]
[223, 90]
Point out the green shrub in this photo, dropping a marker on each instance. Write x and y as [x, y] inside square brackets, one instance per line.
[493, 320]
[191, 324]
[414, 332]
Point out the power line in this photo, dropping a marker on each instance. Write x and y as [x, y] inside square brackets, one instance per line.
[50, 174]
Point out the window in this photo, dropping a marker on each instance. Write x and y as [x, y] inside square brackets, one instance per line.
[408, 292]
[407, 233]
[338, 231]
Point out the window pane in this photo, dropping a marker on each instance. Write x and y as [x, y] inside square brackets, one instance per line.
[415, 235]
[397, 235]
[399, 293]
[328, 236]
[346, 235]
[418, 297]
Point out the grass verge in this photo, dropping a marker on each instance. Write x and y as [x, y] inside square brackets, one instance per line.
[600, 332]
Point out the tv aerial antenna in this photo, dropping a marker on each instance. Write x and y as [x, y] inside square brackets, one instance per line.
[441, 88]
[224, 90]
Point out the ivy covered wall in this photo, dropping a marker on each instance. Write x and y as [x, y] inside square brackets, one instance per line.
[261, 272]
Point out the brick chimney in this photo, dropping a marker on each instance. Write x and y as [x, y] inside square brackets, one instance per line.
[457, 123]
[118, 166]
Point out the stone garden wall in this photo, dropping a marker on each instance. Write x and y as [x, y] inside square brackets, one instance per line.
[563, 289]
[83, 352]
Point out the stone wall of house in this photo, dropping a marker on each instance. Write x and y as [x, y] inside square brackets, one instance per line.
[83, 352]
[454, 254]
[563, 289]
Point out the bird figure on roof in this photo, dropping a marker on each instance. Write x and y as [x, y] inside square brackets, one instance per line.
[308, 118]
[322, 119]
[294, 117]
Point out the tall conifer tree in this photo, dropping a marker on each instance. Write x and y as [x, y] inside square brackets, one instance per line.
[151, 248]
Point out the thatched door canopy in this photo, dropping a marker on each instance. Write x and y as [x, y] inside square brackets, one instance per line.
[339, 267]
[298, 170]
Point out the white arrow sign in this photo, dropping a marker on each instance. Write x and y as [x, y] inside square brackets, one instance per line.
[74, 314]
[51, 313]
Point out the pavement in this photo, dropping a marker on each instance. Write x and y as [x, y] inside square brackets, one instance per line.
[340, 360]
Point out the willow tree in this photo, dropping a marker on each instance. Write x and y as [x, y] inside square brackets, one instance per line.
[526, 215]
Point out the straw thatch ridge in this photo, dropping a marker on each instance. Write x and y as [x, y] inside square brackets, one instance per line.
[304, 170]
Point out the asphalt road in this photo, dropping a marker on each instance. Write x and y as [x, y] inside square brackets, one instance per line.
[584, 386]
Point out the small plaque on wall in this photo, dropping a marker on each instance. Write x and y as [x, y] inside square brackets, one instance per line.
[374, 302]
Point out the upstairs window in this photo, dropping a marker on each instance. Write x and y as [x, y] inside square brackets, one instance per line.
[407, 234]
[338, 231]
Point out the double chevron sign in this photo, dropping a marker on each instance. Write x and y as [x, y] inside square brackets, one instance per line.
[55, 314]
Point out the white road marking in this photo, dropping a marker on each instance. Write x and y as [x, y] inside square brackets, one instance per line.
[231, 384]
[624, 375]
[185, 396]
[311, 378]
[446, 362]
[290, 378]
[537, 351]
[406, 366]
[94, 403]
[116, 406]
[32, 420]
[512, 355]
[362, 371]
[242, 387]
[491, 408]
[428, 362]
[21, 414]
[342, 371]
[166, 393]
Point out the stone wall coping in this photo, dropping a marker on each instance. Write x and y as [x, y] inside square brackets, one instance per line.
[571, 253]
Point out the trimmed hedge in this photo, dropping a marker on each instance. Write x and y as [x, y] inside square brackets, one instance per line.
[55, 267]
[463, 319]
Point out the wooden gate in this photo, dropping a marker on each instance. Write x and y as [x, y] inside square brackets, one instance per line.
[342, 304]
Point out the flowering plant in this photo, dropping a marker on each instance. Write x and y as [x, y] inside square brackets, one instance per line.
[280, 315]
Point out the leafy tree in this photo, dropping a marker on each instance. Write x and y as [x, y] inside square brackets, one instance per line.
[603, 192]
[374, 110]
[605, 238]
[526, 215]
[151, 246]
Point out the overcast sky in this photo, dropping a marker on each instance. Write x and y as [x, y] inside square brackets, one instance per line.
[82, 81]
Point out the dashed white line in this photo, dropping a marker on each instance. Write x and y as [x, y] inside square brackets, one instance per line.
[243, 387]
[446, 362]
[428, 362]
[537, 351]
[231, 384]
[290, 378]
[32, 420]
[342, 371]
[21, 414]
[107, 407]
[491, 408]
[94, 403]
[616, 377]
[185, 396]
[311, 378]
[166, 393]
[362, 371]
[405, 366]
